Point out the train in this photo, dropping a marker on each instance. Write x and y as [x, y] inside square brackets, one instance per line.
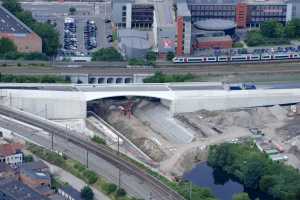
[238, 58]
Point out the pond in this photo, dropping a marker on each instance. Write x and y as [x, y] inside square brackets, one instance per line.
[222, 186]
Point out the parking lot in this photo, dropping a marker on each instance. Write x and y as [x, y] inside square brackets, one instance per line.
[56, 12]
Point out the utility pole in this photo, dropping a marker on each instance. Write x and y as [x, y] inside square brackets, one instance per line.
[46, 111]
[119, 178]
[52, 144]
[190, 190]
[87, 158]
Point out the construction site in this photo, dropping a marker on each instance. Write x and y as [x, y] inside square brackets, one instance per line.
[145, 129]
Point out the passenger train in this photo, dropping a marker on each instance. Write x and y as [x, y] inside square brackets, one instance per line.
[238, 58]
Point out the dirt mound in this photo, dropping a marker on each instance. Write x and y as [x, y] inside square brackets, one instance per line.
[150, 148]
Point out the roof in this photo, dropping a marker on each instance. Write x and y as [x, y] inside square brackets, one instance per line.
[35, 174]
[164, 13]
[215, 24]
[182, 8]
[219, 38]
[134, 39]
[56, 197]
[36, 165]
[5, 167]
[10, 149]
[10, 24]
[71, 191]
[233, 2]
[18, 191]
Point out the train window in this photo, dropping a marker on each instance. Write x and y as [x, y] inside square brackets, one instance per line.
[211, 59]
[222, 59]
[238, 58]
[195, 59]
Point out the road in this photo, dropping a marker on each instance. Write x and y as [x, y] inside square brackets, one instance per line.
[138, 182]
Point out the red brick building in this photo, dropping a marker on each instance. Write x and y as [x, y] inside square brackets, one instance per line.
[24, 38]
[222, 42]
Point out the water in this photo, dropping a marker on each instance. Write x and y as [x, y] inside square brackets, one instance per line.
[222, 186]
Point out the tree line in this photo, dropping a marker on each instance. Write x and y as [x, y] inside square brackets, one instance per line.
[274, 33]
[256, 171]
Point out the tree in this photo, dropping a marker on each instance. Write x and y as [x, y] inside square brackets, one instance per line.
[107, 54]
[87, 193]
[50, 37]
[170, 55]
[72, 10]
[151, 56]
[255, 38]
[241, 196]
[292, 29]
[272, 29]
[12, 5]
[110, 188]
[121, 192]
[7, 46]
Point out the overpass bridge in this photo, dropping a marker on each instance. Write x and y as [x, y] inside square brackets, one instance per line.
[69, 101]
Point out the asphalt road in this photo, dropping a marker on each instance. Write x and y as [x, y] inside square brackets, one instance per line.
[101, 159]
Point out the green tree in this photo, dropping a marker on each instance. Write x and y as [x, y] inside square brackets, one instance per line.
[255, 38]
[50, 37]
[110, 188]
[72, 10]
[170, 55]
[151, 56]
[107, 54]
[272, 29]
[12, 5]
[241, 196]
[292, 29]
[120, 192]
[87, 193]
[6, 45]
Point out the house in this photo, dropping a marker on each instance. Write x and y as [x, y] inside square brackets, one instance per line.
[11, 154]
[11, 189]
[69, 193]
[36, 176]
[6, 172]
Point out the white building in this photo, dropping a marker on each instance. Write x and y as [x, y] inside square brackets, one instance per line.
[11, 153]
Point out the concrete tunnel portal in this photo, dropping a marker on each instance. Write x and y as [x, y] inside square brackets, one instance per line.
[125, 104]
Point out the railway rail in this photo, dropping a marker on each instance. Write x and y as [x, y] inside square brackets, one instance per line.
[124, 64]
[102, 151]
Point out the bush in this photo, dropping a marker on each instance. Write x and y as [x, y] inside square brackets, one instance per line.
[135, 61]
[238, 45]
[109, 188]
[170, 55]
[107, 54]
[90, 176]
[121, 192]
[98, 140]
[159, 77]
[151, 56]
[28, 158]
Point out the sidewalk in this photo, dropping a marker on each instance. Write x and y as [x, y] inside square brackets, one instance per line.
[75, 182]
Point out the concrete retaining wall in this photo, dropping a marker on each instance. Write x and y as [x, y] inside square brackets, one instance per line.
[48, 104]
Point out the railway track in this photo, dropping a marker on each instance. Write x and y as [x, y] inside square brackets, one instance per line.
[102, 151]
[123, 64]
